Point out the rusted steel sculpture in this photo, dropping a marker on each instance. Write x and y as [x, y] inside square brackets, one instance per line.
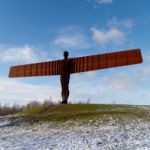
[68, 66]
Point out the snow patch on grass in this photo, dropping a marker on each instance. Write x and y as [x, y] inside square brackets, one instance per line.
[124, 133]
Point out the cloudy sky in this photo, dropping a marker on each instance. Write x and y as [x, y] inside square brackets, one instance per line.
[40, 30]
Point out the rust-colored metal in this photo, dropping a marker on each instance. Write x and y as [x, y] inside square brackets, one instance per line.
[34, 70]
[68, 66]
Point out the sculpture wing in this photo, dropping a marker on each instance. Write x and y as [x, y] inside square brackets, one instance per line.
[36, 69]
[104, 61]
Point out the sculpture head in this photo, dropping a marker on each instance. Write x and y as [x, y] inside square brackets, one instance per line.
[66, 54]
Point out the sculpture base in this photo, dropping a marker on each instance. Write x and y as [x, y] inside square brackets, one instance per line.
[63, 102]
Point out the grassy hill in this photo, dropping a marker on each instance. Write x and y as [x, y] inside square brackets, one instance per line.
[77, 126]
[84, 112]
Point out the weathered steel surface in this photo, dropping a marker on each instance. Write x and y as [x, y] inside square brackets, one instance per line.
[37, 69]
[104, 61]
[79, 64]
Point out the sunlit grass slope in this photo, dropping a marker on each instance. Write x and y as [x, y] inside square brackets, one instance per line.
[83, 112]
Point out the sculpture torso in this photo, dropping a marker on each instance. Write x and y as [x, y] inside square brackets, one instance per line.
[65, 68]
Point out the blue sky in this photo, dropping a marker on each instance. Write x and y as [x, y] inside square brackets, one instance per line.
[36, 30]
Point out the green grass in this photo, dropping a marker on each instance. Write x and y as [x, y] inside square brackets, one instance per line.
[30, 111]
[82, 112]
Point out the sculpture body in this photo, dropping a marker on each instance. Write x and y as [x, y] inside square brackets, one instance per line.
[64, 78]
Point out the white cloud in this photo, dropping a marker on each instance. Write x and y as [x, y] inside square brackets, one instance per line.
[76, 77]
[112, 35]
[117, 32]
[120, 81]
[90, 74]
[125, 23]
[13, 91]
[71, 37]
[128, 78]
[146, 70]
[24, 53]
[147, 57]
[82, 90]
[102, 1]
